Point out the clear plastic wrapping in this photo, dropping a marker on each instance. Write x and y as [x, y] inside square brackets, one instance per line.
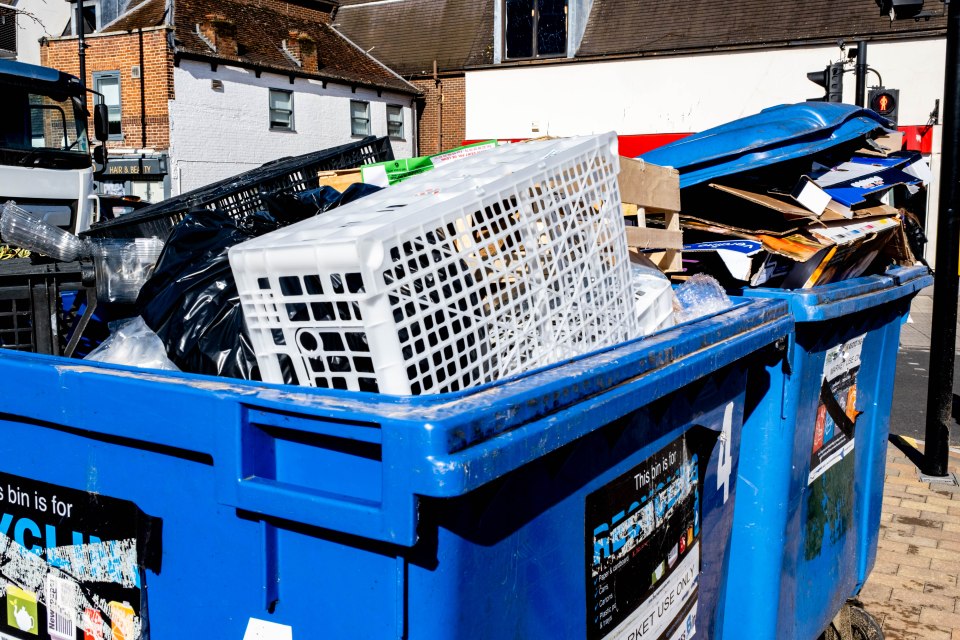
[133, 343]
[21, 229]
[700, 296]
[122, 266]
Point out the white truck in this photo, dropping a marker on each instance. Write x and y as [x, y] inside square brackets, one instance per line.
[45, 153]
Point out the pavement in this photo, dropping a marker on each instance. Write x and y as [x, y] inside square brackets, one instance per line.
[910, 388]
[914, 589]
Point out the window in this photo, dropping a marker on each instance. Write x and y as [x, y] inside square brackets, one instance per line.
[535, 28]
[90, 13]
[359, 118]
[108, 84]
[281, 110]
[8, 32]
[395, 121]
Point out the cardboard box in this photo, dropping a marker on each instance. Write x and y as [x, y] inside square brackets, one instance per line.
[828, 253]
[341, 179]
[653, 188]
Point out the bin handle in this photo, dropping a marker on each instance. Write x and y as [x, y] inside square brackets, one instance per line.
[319, 471]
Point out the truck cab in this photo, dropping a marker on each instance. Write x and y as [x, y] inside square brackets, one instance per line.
[45, 160]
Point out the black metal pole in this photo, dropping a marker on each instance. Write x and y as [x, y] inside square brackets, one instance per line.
[81, 53]
[943, 341]
[861, 73]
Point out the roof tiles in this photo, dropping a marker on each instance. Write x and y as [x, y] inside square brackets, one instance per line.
[624, 27]
[409, 35]
[260, 32]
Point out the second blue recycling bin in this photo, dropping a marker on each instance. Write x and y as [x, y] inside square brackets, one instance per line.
[811, 473]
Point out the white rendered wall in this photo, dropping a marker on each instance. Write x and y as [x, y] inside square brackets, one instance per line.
[687, 94]
[51, 16]
[683, 94]
[215, 134]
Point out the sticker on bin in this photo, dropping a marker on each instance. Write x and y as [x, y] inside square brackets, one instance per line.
[73, 561]
[643, 549]
[833, 433]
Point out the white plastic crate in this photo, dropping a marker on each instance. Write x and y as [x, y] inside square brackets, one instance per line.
[490, 266]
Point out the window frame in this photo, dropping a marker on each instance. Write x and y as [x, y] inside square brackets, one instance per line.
[8, 15]
[96, 15]
[366, 105]
[534, 33]
[270, 109]
[403, 124]
[99, 76]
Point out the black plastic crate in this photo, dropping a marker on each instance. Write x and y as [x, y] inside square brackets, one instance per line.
[35, 315]
[241, 194]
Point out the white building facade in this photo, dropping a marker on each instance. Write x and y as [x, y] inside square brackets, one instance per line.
[650, 101]
[684, 93]
[23, 23]
[220, 122]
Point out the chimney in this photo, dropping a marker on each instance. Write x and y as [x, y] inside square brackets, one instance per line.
[302, 49]
[220, 33]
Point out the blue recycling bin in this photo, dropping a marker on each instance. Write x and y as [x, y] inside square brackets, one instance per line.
[807, 516]
[583, 500]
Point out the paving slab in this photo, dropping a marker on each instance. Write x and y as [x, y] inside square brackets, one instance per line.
[913, 590]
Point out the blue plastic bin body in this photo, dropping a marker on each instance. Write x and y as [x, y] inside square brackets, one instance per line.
[231, 510]
[800, 548]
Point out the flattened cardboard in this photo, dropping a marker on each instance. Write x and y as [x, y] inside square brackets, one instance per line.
[790, 210]
[874, 210]
[339, 180]
[649, 186]
[699, 224]
[811, 196]
[737, 255]
[889, 143]
[796, 247]
[771, 201]
[858, 167]
[845, 233]
[919, 169]
[854, 192]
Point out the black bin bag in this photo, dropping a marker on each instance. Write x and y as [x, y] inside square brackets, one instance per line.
[191, 300]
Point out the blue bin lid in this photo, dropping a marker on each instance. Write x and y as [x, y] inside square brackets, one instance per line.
[777, 134]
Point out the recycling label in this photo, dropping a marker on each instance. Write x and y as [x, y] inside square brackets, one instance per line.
[643, 550]
[835, 426]
[73, 563]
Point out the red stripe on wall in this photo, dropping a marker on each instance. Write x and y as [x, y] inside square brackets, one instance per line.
[630, 146]
[915, 138]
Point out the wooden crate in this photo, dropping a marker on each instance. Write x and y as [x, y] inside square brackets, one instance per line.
[648, 188]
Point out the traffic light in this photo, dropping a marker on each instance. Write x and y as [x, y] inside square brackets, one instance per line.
[831, 79]
[885, 102]
[899, 9]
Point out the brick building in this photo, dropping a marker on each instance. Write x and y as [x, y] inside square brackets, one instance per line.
[199, 90]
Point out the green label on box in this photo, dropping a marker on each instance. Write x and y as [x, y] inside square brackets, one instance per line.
[21, 609]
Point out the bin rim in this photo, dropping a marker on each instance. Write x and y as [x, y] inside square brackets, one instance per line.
[742, 329]
[832, 301]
